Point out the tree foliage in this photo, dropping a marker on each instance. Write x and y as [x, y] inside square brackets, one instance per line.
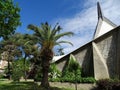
[18, 69]
[9, 17]
[29, 48]
[72, 70]
[12, 46]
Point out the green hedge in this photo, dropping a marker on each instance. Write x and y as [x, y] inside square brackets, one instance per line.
[72, 80]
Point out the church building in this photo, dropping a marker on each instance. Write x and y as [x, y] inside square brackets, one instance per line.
[100, 57]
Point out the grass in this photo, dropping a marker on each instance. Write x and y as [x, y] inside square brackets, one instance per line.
[24, 85]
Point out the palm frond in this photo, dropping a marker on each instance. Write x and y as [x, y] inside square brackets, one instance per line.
[58, 43]
[56, 29]
[48, 37]
[58, 36]
[32, 27]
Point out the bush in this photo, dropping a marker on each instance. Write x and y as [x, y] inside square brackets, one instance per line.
[78, 80]
[54, 72]
[108, 84]
[38, 76]
[7, 71]
[72, 72]
[88, 80]
[1, 75]
[16, 75]
[17, 71]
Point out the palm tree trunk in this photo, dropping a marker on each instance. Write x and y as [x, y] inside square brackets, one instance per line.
[45, 70]
[47, 56]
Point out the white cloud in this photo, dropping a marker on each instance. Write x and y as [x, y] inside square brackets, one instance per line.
[83, 24]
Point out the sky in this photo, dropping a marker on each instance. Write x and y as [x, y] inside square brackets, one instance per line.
[78, 16]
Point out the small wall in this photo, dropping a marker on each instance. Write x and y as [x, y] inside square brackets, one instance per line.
[72, 86]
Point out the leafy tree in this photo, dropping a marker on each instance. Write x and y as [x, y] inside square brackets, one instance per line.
[9, 17]
[10, 46]
[29, 48]
[47, 37]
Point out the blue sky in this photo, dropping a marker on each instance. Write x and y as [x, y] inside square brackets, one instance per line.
[78, 16]
[39, 11]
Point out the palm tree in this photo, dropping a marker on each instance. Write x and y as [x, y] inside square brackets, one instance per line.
[47, 37]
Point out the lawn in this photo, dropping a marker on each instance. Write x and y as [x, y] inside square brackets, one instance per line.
[24, 85]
